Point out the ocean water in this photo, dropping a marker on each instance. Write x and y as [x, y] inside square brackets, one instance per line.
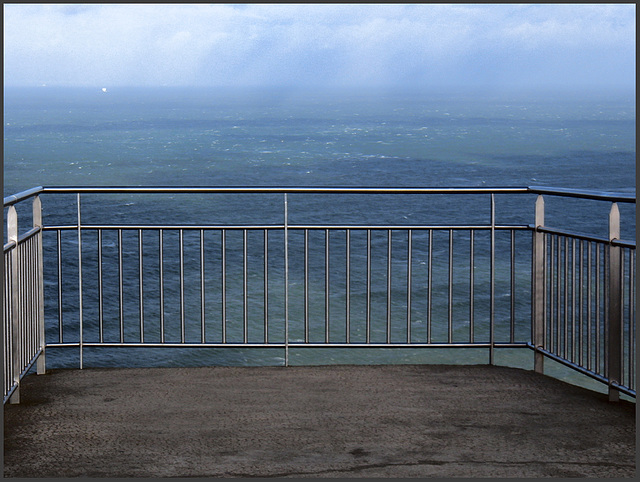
[294, 137]
[283, 137]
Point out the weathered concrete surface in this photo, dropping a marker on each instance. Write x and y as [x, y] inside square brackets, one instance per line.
[338, 421]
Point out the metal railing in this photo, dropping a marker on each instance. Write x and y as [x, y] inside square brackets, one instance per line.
[288, 285]
[23, 313]
[584, 302]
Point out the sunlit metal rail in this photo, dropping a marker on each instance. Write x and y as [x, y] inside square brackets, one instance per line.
[566, 295]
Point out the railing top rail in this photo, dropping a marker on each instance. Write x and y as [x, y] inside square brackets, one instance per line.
[584, 193]
[21, 196]
[564, 192]
[282, 189]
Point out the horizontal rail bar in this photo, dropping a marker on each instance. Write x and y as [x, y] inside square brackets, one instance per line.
[354, 227]
[598, 239]
[400, 227]
[581, 369]
[565, 192]
[26, 369]
[151, 227]
[22, 238]
[583, 193]
[585, 237]
[280, 189]
[290, 344]
[21, 196]
[29, 234]
[623, 243]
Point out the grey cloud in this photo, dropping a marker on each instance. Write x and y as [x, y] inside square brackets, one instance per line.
[218, 44]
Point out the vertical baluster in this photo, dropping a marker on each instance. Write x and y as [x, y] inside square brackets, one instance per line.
[348, 283]
[559, 297]
[100, 289]
[512, 297]
[141, 295]
[471, 284]
[573, 300]
[632, 323]
[552, 298]
[429, 284]
[24, 302]
[22, 314]
[622, 317]
[565, 313]
[545, 294]
[35, 328]
[409, 265]
[202, 290]
[161, 279]
[389, 286]
[605, 310]
[245, 303]
[589, 303]
[33, 297]
[450, 291]
[203, 336]
[266, 286]
[60, 314]
[21, 307]
[223, 234]
[40, 340]
[368, 310]
[581, 304]
[80, 321]
[182, 314]
[7, 351]
[326, 286]
[25, 298]
[306, 286]
[120, 286]
[286, 281]
[597, 311]
[492, 301]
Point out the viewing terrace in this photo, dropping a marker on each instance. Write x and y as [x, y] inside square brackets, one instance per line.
[416, 329]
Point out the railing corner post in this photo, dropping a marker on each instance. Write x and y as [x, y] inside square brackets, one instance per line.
[37, 222]
[538, 286]
[615, 303]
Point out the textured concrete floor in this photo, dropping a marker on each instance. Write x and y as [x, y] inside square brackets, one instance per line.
[338, 421]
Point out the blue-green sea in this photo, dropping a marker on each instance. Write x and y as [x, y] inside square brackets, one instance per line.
[301, 137]
[171, 136]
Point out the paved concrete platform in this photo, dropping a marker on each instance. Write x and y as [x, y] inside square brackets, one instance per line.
[337, 421]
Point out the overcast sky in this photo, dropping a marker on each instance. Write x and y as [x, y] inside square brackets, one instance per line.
[332, 44]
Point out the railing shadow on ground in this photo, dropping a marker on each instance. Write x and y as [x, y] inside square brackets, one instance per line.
[266, 267]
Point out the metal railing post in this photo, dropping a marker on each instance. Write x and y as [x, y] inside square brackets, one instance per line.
[286, 282]
[537, 318]
[37, 222]
[492, 300]
[12, 236]
[80, 278]
[615, 302]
